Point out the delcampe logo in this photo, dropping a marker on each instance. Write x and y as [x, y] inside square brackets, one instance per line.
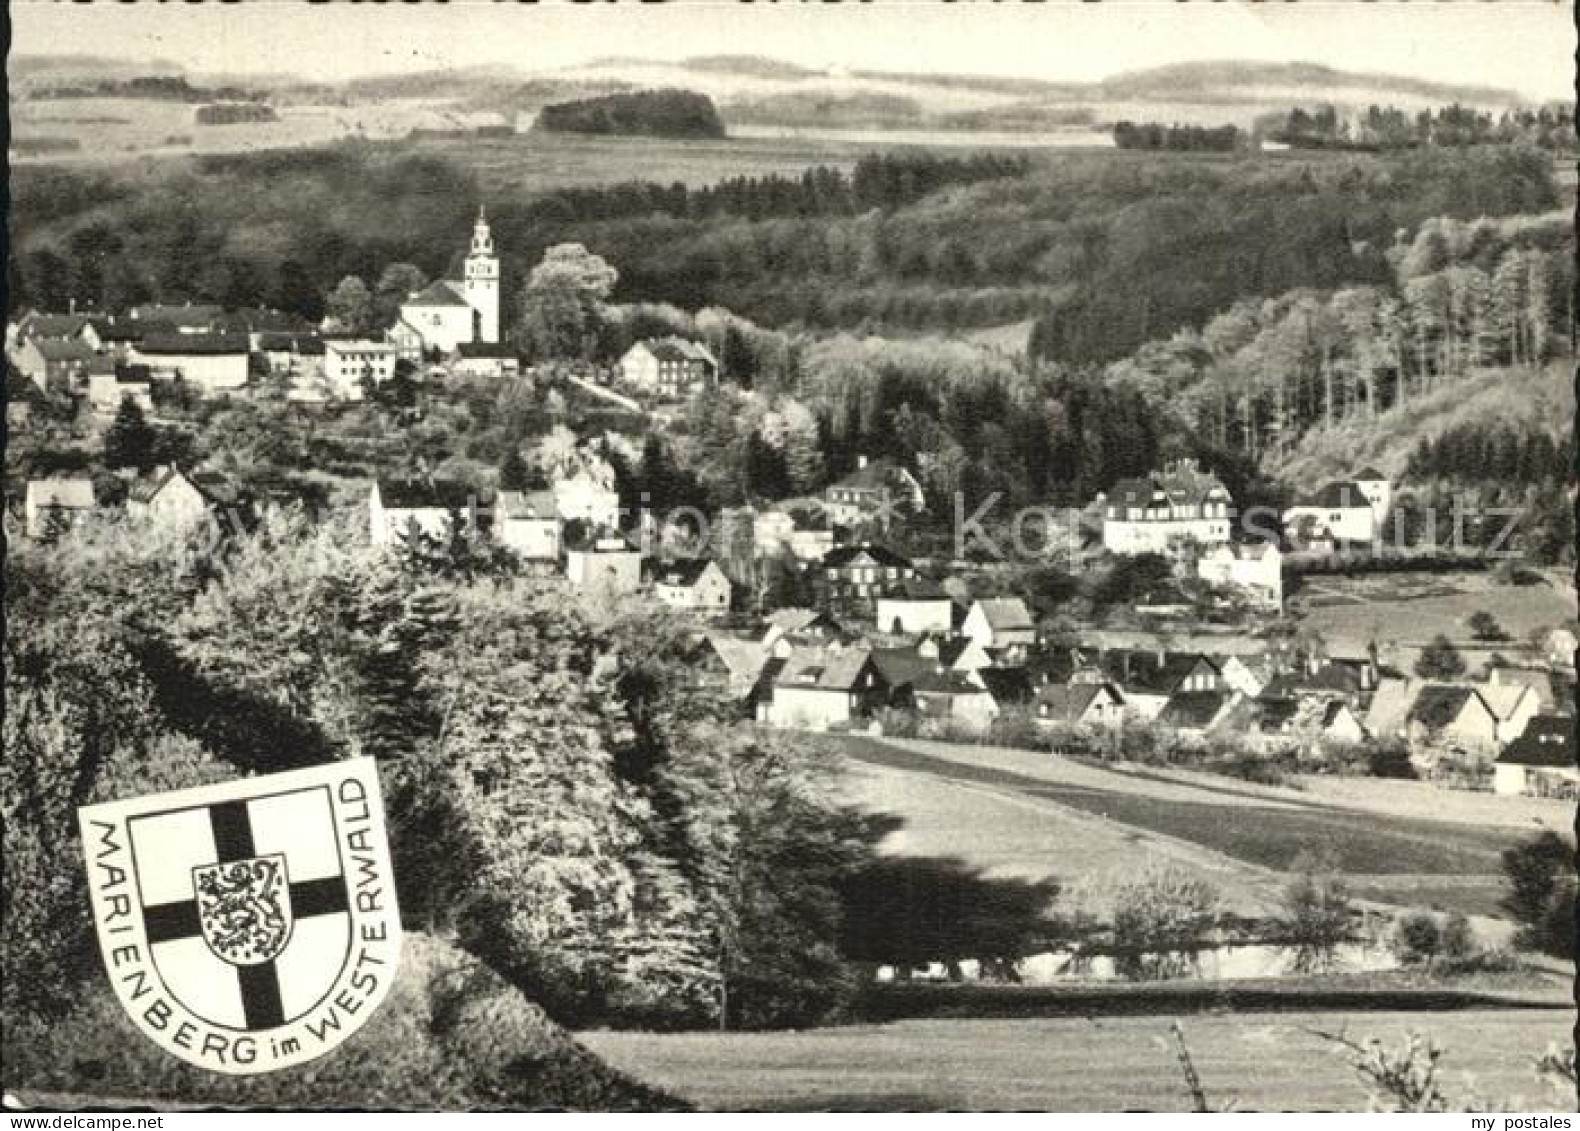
[252, 925]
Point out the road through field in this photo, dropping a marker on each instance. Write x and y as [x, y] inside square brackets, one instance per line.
[1256, 1062]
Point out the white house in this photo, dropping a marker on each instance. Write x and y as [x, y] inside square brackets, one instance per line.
[1000, 622]
[776, 531]
[53, 504]
[697, 585]
[1540, 761]
[528, 523]
[820, 688]
[350, 366]
[1513, 705]
[106, 391]
[483, 359]
[176, 498]
[669, 367]
[877, 491]
[397, 508]
[608, 566]
[1341, 508]
[1089, 704]
[1257, 570]
[451, 311]
[915, 606]
[1180, 503]
[212, 365]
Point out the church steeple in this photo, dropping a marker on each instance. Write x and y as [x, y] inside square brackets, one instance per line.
[482, 280]
[482, 238]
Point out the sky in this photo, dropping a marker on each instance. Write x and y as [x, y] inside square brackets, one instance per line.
[1526, 46]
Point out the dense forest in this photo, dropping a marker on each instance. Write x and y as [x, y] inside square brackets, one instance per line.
[643, 113]
[1184, 139]
[1110, 250]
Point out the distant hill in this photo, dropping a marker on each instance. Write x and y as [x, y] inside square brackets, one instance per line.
[759, 66]
[1239, 80]
[645, 113]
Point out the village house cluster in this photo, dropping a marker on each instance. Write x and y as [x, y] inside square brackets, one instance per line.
[876, 639]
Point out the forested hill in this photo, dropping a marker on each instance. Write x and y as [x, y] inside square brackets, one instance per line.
[645, 113]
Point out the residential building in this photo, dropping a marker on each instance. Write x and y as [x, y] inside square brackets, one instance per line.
[211, 364]
[1154, 513]
[1451, 716]
[696, 585]
[36, 324]
[858, 574]
[1148, 680]
[1254, 569]
[54, 363]
[669, 368]
[172, 497]
[957, 653]
[1239, 675]
[1342, 509]
[1539, 681]
[528, 522]
[1378, 490]
[960, 697]
[819, 688]
[1512, 705]
[51, 506]
[1388, 712]
[607, 565]
[744, 660]
[449, 312]
[400, 508]
[807, 539]
[106, 390]
[1011, 688]
[1541, 761]
[487, 360]
[1196, 713]
[1087, 704]
[915, 606]
[185, 318]
[878, 492]
[800, 626]
[352, 366]
[1000, 622]
[407, 339]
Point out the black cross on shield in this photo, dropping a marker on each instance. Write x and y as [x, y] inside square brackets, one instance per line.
[257, 971]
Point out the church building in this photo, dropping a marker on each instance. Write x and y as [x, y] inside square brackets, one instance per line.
[453, 312]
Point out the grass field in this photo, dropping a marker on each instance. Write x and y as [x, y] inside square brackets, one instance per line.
[1078, 821]
[1256, 1062]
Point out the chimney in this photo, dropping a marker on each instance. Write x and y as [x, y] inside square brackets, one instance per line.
[861, 462]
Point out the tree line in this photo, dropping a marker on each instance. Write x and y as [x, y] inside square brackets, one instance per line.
[1178, 138]
[1389, 127]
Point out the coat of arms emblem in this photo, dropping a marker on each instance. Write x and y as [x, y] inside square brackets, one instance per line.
[252, 925]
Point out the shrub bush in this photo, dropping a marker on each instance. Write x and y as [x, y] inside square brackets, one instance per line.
[1417, 938]
[1160, 920]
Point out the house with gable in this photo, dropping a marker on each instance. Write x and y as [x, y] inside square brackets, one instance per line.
[857, 575]
[528, 522]
[1000, 622]
[1155, 513]
[1197, 713]
[606, 564]
[1451, 716]
[398, 508]
[878, 491]
[1340, 509]
[819, 688]
[175, 498]
[1079, 704]
[669, 368]
[695, 585]
[1541, 761]
[55, 363]
[1513, 705]
[915, 606]
[1149, 679]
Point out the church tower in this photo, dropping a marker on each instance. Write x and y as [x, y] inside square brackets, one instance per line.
[482, 281]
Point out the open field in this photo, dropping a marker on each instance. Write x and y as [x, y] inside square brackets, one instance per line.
[1256, 1062]
[1402, 613]
[1079, 821]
